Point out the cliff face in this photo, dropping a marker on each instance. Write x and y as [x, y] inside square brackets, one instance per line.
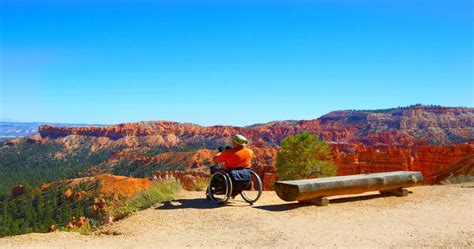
[111, 185]
[412, 126]
[430, 160]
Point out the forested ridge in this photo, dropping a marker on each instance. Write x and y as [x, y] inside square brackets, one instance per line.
[33, 163]
[42, 169]
[36, 210]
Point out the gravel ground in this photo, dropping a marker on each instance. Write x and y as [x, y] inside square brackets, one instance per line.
[431, 216]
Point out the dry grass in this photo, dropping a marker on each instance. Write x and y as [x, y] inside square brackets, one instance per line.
[457, 179]
[156, 193]
[201, 183]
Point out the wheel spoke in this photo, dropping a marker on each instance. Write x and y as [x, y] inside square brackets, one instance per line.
[255, 191]
[219, 188]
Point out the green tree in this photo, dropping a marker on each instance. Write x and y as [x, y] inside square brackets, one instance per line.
[303, 156]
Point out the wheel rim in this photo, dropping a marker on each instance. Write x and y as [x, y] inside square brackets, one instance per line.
[214, 193]
[256, 188]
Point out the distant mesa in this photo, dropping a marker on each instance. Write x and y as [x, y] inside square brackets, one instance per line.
[418, 125]
[11, 129]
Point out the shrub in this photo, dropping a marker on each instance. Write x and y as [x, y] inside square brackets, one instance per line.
[303, 156]
[158, 192]
[201, 183]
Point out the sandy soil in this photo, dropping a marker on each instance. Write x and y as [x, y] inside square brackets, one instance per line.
[430, 216]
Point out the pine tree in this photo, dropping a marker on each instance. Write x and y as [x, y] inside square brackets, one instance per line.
[28, 213]
[303, 156]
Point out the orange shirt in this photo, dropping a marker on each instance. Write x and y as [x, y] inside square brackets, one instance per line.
[239, 157]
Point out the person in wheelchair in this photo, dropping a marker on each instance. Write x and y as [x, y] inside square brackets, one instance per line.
[236, 161]
[216, 167]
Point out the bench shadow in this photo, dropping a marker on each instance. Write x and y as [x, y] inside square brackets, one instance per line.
[364, 197]
[187, 203]
[293, 205]
[281, 207]
[357, 198]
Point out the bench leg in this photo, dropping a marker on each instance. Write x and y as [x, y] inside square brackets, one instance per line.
[397, 192]
[320, 201]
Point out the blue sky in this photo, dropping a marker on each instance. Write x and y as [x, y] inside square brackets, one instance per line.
[238, 63]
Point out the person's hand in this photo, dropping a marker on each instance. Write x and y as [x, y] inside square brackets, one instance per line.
[215, 159]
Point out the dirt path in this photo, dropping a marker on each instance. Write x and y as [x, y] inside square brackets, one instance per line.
[430, 216]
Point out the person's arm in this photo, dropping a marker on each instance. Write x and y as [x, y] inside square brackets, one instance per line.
[215, 157]
[220, 159]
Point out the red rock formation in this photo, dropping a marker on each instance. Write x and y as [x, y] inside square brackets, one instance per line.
[69, 193]
[405, 127]
[52, 229]
[268, 180]
[359, 159]
[429, 159]
[188, 182]
[74, 223]
[121, 186]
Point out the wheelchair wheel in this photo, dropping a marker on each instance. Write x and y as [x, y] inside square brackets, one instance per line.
[220, 188]
[255, 191]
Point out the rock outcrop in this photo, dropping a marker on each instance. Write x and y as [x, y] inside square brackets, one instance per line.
[117, 186]
[110, 185]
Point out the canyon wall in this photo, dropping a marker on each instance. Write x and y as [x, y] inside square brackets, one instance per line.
[360, 159]
[420, 125]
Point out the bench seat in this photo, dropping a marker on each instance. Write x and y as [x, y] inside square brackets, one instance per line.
[310, 189]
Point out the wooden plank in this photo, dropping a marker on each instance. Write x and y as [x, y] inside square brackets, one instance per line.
[310, 189]
[320, 201]
[397, 192]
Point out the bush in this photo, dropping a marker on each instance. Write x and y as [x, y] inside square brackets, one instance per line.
[303, 156]
[159, 192]
[201, 183]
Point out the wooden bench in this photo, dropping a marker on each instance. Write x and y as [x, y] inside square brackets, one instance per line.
[317, 190]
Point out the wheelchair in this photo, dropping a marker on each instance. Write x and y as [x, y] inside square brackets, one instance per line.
[222, 187]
